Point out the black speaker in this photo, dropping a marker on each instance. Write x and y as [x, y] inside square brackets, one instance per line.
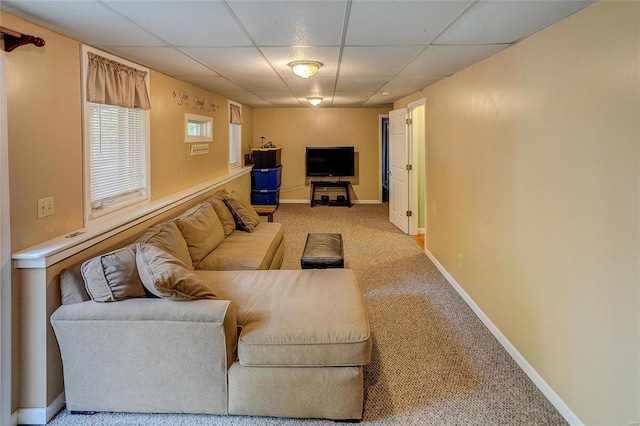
[341, 198]
[324, 198]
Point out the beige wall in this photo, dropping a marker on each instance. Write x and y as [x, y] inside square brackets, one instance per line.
[43, 87]
[533, 177]
[45, 159]
[172, 168]
[296, 128]
[45, 135]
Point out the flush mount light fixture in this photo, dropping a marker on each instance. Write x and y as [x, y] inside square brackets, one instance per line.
[305, 69]
[314, 101]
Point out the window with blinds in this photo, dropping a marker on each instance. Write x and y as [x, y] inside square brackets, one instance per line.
[116, 154]
[116, 144]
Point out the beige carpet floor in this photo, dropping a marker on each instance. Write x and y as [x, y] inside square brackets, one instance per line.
[434, 362]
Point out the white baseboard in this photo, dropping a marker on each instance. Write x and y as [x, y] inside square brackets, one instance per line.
[14, 418]
[40, 416]
[421, 231]
[536, 378]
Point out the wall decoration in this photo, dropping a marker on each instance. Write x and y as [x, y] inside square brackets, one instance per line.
[183, 97]
[198, 102]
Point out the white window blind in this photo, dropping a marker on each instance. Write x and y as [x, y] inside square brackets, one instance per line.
[235, 134]
[234, 144]
[117, 154]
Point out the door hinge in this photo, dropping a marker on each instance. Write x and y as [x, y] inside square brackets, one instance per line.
[409, 213]
[409, 121]
[409, 167]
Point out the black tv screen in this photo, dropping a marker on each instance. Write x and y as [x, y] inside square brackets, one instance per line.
[330, 161]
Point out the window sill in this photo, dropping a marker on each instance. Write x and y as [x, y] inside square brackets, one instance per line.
[57, 249]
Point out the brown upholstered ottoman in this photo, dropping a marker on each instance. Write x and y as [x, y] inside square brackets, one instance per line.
[323, 251]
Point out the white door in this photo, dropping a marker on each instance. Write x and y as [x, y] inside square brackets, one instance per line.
[398, 174]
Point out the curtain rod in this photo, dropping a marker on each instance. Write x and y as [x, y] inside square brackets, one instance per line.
[14, 39]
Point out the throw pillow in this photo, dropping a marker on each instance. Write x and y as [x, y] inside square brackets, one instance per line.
[113, 276]
[202, 231]
[167, 236]
[72, 287]
[165, 276]
[244, 214]
[225, 216]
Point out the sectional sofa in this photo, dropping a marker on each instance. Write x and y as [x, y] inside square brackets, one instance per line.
[196, 317]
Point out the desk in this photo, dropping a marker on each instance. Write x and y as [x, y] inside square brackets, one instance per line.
[344, 185]
[265, 211]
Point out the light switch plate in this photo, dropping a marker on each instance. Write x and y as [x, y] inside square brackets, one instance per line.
[45, 207]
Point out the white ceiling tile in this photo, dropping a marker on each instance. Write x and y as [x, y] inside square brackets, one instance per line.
[257, 84]
[317, 87]
[348, 99]
[281, 57]
[376, 61]
[167, 59]
[446, 60]
[185, 23]
[506, 21]
[90, 22]
[310, 85]
[232, 62]
[292, 23]
[279, 99]
[394, 23]
[360, 84]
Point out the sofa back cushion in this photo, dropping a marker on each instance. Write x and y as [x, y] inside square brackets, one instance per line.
[167, 277]
[113, 276]
[225, 216]
[201, 230]
[168, 237]
[245, 216]
[72, 288]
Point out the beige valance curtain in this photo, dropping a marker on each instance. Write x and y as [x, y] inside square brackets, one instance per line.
[235, 114]
[112, 83]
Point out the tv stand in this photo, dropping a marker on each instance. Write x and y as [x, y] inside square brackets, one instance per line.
[340, 184]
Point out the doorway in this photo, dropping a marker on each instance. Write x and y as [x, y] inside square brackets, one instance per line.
[384, 158]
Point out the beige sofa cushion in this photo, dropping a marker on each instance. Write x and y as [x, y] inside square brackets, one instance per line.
[72, 286]
[113, 276]
[167, 277]
[225, 216]
[202, 231]
[167, 236]
[243, 250]
[245, 216]
[299, 318]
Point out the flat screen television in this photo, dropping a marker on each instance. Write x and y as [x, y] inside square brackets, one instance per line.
[330, 161]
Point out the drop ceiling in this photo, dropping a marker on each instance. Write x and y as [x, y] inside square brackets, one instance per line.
[373, 52]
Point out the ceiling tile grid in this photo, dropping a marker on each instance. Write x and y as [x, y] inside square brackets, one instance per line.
[241, 49]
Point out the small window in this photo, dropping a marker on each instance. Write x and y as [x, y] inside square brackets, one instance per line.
[235, 135]
[198, 128]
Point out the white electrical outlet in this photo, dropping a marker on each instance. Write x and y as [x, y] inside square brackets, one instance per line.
[45, 207]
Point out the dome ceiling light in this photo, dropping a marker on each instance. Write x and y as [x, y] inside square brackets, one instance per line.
[305, 69]
[314, 101]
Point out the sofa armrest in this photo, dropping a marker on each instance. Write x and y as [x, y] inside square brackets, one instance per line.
[147, 355]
